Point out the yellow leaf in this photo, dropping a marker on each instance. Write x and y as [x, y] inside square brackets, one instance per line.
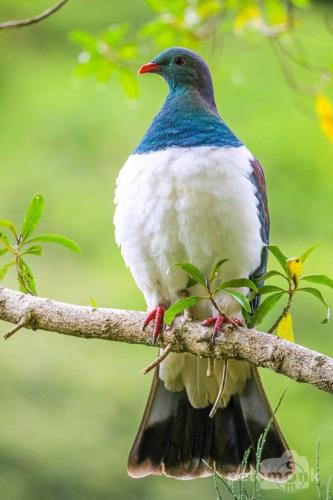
[246, 16]
[295, 267]
[325, 113]
[285, 328]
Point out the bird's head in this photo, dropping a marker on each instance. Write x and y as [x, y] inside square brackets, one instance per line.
[183, 69]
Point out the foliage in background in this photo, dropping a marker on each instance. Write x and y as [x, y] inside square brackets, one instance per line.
[54, 389]
[118, 49]
[24, 245]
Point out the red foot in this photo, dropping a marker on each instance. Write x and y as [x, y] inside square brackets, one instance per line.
[157, 316]
[218, 321]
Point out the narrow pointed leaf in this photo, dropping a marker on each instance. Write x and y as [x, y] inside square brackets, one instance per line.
[265, 306]
[268, 275]
[252, 296]
[179, 307]
[34, 250]
[241, 299]
[216, 268]
[269, 289]
[32, 216]
[307, 252]
[25, 278]
[10, 225]
[4, 269]
[56, 238]
[93, 302]
[317, 293]
[278, 255]
[192, 271]
[238, 283]
[191, 282]
[4, 239]
[320, 279]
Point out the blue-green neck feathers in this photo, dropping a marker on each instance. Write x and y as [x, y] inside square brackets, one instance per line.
[185, 120]
[189, 116]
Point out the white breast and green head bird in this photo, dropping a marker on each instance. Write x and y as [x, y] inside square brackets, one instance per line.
[192, 192]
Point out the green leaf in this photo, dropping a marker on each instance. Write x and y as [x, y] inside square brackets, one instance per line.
[85, 40]
[320, 279]
[268, 275]
[241, 299]
[238, 283]
[34, 250]
[307, 252]
[179, 307]
[301, 3]
[3, 251]
[265, 306]
[10, 225]
[193, 272]
[93, 302]
[32, 216]
[317, 293]
[270, 288]
[57, 238]
[115, 34]
[4, 239]
[4, 269]
[191, 282]
[282, 259]
[128, 52]
[216, 268]
[25, 278]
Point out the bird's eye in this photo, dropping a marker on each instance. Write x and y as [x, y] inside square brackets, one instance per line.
[180, 61]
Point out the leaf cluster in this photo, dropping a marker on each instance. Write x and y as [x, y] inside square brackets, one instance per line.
[211, 286]
[294, 281]
[290, 272]
[107, 54]
[178, 23]
[18, 244]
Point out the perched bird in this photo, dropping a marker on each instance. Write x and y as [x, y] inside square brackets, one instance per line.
[192, 192]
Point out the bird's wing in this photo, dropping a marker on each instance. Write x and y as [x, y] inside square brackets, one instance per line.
[258, 179]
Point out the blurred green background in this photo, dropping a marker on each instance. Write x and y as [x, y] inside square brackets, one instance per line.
[69, 407]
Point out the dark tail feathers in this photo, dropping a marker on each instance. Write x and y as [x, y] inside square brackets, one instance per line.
[176, 440]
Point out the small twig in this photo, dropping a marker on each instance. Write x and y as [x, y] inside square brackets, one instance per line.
[21, 324]
[284, 312]
[221, 389]
[158, 360]
[20, 23]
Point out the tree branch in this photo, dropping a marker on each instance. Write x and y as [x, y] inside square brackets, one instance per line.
[261, 349]
[21, 23]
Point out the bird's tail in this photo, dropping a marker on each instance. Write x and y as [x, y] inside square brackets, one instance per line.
[177, 440]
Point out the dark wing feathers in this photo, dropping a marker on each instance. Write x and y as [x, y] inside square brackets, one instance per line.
[258, 179]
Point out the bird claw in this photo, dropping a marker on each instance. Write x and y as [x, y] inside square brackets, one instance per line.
[218, 321]
[157, 316]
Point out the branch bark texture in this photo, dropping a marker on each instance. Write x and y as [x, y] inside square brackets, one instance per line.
[21, 23]
[261, 349]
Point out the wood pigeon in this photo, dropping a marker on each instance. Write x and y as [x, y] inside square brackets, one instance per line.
[192, 192]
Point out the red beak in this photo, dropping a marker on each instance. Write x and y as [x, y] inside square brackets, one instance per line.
[148, 68]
